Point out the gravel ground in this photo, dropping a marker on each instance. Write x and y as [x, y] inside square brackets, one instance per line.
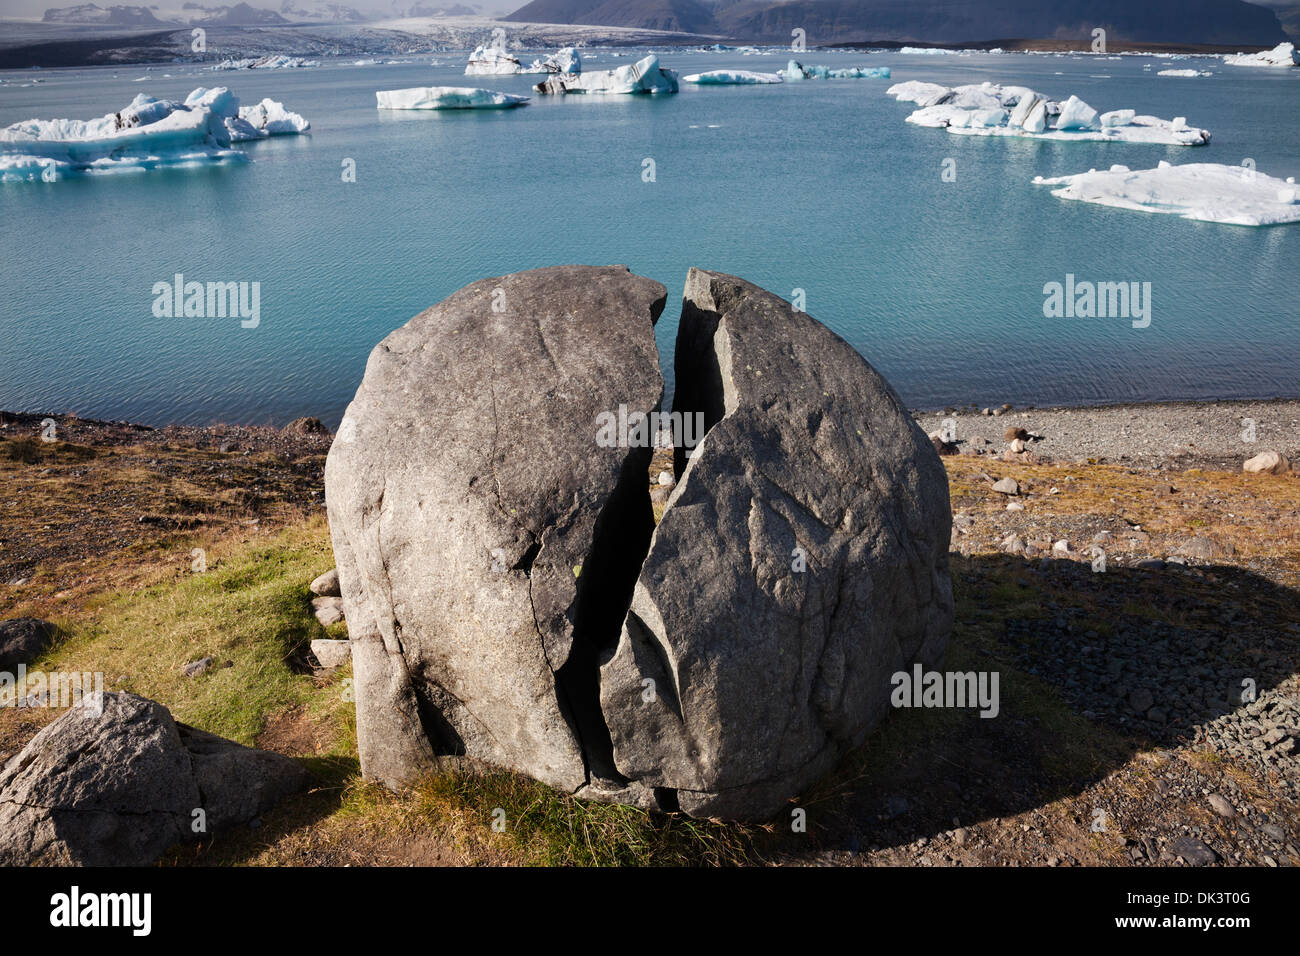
[1175, 435]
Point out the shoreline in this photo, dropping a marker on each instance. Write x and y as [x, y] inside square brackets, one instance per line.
[1167, 435]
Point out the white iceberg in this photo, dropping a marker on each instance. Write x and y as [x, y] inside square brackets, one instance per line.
[447, 98]
[921, 93]
[1188, 73]
[1209, 192]
[267, 118]
[1076, 114]
[732, 77]
[1284, 54]
[987, 109]
[149, 133]
[795, 70]
[643, 76]
[275, 61]
[567, 60]
[491, 60]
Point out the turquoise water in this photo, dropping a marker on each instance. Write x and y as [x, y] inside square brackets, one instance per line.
[818, 186]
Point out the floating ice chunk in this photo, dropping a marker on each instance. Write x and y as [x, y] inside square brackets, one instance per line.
[277, 61]
[925, 51]
[643, 76]
[1031, 114]
[1024, 106]
[489, 60]
[921, 93]
[985, 96]
[794, 70]
[567, 60]
[447, 98]
[1076, 114]
[987, 118]
[1209, 192]
[732, 77]
[1284, 55]
[147, 134]
[244, 123]
[1118, 118]
[269, 118]
[1184, 73]
[1036, 120]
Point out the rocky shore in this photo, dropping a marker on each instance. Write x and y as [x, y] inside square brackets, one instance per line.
[1125, 738]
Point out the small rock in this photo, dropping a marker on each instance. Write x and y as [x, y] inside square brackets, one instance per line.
[1007, 486]
[1061, 547]
[197, 668]
[1150, 564]
[305, 426]
[1267, 463]
[1140, 699]
[1015, 506]
[1016, 434]
[1205, 549]
[666, 479]
[1193, 851]
[327, 585]
[332, 653]
[329, 610]
[1221, 806]
[1273, 832]
[960, 836]
[22, 640]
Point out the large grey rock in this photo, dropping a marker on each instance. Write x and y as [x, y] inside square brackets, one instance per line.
[22, 640]
[482, 536]
[802, 561]
[489, 547]
[118, 786]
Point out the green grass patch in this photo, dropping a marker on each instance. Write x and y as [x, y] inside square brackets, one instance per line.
[250, 612]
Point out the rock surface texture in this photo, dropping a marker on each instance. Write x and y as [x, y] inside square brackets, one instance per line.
[119, 785]
[510, 598]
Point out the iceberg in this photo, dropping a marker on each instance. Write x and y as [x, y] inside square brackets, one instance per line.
[491, 61]
[921, 93]
[147, 134]
[1184, 73]
[1076, 114]
[987, 109]
[643, 76]
[277, 61]
[267, 118]
[567, 60]
[732, 77]
[1284, 55]
[447, 98]
[795, 70]
[1207, 192]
